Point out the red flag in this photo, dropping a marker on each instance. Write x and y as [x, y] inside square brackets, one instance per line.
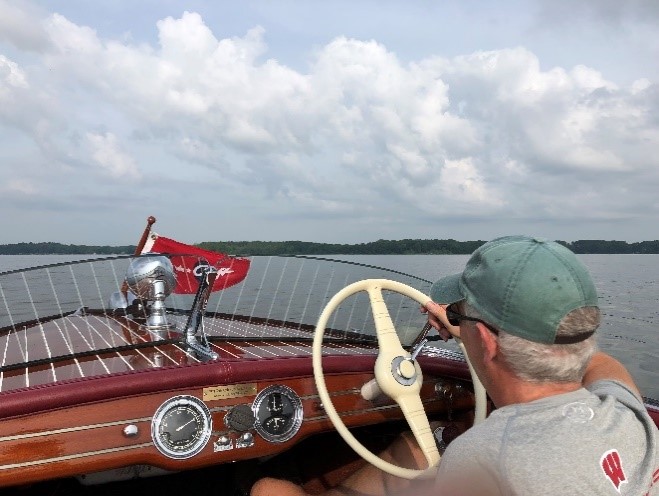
[188, 262]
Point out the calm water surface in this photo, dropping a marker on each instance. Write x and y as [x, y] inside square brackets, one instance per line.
[628, 286]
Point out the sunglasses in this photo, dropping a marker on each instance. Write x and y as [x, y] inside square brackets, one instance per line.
[454, 319]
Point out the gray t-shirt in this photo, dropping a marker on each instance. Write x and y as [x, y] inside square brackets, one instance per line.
[595, 441]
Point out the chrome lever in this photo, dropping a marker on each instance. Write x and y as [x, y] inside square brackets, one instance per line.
[417, 349]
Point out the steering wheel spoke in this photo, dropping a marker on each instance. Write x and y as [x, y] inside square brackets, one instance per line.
[386, 332]
[415, 415]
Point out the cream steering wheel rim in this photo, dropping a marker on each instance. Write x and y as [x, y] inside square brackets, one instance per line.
[391, 367]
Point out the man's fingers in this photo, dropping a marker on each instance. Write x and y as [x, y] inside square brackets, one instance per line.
[437, 318]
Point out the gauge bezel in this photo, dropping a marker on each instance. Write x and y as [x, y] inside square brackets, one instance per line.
[296, 418]
[206, 426]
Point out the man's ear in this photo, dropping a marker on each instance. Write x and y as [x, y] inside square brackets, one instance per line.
[490, 343]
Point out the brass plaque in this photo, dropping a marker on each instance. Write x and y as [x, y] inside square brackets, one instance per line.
[225, 392]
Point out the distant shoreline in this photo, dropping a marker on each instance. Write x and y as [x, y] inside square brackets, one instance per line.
[380, 247]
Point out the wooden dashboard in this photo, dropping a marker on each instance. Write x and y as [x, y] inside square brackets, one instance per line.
[110, 425]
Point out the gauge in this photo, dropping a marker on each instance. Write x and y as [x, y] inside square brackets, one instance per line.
[181, 427]
[278, 412]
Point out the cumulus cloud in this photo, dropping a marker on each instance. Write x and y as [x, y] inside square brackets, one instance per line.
[107, 154]
[13, 86]
[20, 25]
[10, 75]
[489, 132]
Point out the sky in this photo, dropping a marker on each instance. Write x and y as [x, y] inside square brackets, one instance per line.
[330, 121]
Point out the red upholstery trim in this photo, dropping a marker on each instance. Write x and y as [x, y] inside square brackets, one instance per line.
[654, 413]
[441, 367]
[103, 388]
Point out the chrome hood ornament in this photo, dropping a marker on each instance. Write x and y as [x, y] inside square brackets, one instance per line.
[152, 278]
[144, 272]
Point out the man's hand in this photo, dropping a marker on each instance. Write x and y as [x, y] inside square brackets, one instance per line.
[437, 318]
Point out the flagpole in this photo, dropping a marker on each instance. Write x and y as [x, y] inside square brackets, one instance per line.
[138, 249]
[145, 235]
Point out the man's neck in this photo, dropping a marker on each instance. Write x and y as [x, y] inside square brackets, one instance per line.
[508, 389]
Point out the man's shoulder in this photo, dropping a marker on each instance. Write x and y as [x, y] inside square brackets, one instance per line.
[617, 390]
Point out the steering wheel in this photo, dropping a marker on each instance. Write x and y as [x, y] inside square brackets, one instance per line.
[396, 373]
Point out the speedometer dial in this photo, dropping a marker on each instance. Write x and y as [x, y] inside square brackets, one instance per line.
[181, 427]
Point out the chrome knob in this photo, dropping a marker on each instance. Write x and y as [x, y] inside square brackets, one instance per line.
[131, 430]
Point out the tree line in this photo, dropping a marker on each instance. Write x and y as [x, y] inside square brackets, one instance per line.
[379, 247]
[49, 248]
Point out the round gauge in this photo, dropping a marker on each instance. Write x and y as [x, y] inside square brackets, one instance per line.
[278, 412]
[181, 427]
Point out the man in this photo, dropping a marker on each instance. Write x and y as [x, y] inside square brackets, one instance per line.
[569, 420]
[565, 423]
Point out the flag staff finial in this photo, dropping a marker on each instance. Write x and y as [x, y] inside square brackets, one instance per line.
[140, 246]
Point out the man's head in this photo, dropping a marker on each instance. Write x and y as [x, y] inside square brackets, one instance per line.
[539, 296]
[524, 286]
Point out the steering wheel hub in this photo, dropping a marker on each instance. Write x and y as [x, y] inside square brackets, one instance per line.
[403, 370]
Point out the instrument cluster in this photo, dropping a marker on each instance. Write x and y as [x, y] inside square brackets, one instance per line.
[183, 425]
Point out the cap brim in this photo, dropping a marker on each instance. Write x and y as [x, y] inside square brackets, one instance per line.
[447, 290]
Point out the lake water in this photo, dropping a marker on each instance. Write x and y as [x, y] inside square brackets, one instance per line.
[628, 286]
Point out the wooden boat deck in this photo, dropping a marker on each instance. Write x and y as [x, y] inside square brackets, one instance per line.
[88, 345]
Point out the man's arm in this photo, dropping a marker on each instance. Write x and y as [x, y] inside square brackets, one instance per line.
[605, 367]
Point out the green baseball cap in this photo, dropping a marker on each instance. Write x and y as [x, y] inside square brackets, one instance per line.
[523, 286]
